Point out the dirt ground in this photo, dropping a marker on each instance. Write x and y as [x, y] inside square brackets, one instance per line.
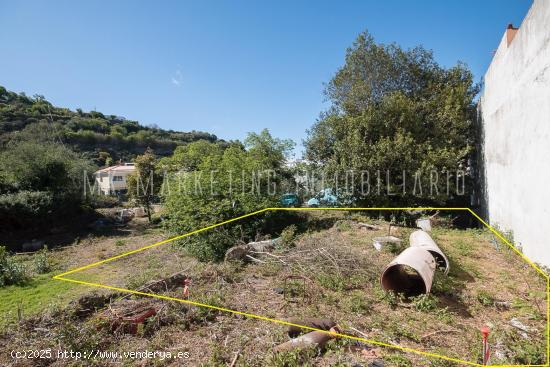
[330, 271]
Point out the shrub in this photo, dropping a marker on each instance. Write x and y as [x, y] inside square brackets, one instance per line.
[288, 236]
[41, 261]
[485, 298]
[425, 302]
[20, 209]
[210, 184]
[104, 201]
[12, 271]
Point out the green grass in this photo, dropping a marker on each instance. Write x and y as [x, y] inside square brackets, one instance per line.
[34, 297]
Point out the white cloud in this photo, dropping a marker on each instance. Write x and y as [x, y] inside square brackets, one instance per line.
[177, 78]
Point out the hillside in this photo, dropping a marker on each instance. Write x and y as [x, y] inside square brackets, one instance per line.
[99, 137]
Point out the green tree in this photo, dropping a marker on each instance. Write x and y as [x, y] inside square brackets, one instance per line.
[39, 183]
[144, 184]
[211, 183]
[396, 110]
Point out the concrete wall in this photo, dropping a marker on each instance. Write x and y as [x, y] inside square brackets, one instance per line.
[515, 119]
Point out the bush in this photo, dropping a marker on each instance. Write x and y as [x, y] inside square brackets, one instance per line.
[288, 236]
[424, 302]
[41, 261]
[104, 201]
[194, 202]
[12, 271]
[41, 183]
[19, 209]
[485, 298]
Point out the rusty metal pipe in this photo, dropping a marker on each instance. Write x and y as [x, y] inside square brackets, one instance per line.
[410, 273]
[424, 240]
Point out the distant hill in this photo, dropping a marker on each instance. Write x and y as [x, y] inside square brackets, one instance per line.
[102, 138]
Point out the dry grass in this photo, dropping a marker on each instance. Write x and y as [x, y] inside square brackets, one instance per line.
[336, 275]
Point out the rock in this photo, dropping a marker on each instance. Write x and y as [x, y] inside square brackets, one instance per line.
[376, 363]
[380, 242]
[366, 226]
[239, 252]
[264, 246]
[92, 302]
[236, 253]
[346, 224]
[503, 305]
[524, 329]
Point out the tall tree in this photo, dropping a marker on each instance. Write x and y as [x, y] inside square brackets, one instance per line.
[395, 110]
[144, 184]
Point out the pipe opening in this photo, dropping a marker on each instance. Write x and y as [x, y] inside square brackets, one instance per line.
[440, 261]
[403, 279]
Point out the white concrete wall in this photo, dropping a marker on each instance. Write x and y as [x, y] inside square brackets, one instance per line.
[515, 113]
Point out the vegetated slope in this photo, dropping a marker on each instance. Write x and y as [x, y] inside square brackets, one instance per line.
[101, 137]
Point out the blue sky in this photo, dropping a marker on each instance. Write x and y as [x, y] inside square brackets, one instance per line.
[227, 67]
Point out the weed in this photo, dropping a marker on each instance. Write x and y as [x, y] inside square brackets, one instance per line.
[288, 236]
[330, 298]
[270, 269]
[335, 282]
[12, 271]
[424, 302]
[393, 247]
[298, 358]
[138, 280]
[445, 285]
[205, 313]
[444, 315]
[527, 307]
[120, 243]
[485, 298]
[340, 282]
[217, 356]
[231, 272]
[443, 363]
[41, 261]
[357, 303]
[391, 298]
[464, 248]
[343, 225]
[81, 337]
[400, 330]
[294, 289]
[524, 351]
[397, 360]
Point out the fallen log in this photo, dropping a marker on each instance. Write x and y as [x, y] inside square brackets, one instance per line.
[241, 252]
[316, 323]
[314, 339]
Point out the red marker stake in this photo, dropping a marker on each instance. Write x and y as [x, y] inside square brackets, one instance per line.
[186, 284]
[486, 352]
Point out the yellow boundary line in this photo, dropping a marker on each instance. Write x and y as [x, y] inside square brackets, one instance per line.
[282, 322]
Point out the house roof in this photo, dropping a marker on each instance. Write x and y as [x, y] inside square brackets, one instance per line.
[127, 167]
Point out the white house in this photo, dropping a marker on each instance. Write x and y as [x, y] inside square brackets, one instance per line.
[112, 180]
